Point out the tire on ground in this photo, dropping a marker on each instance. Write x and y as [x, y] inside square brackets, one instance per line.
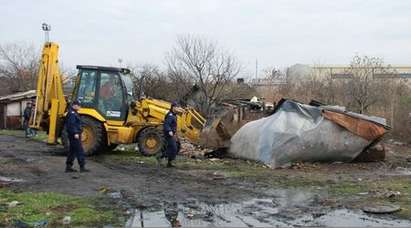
[151, 141]
[93, 137]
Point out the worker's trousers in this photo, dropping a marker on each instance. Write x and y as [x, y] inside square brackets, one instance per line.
[173, 146]
[76, 151]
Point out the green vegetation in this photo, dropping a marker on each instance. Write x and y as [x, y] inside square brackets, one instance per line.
[128, 156]
[41, 135]
[53, 207]
[12, 132]
[405, 100]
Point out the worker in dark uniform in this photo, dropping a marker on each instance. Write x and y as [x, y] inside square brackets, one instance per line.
[26, 119]
[73, 126]
[170, 134]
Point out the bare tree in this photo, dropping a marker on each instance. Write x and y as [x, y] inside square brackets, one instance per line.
[181, 84]
[236, 90]
[368, 82]
[150, 81]
[18, 66]
[144, 77]
[207, 65]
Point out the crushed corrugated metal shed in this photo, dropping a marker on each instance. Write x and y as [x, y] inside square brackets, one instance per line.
[298, 132]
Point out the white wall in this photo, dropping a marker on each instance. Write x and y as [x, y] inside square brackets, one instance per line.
[13, 109]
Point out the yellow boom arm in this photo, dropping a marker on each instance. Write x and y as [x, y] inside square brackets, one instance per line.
[50, 102]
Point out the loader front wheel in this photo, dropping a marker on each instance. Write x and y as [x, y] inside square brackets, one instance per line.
[151, 141]
[92, 138]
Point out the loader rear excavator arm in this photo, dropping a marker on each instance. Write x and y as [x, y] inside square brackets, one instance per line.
[50, 103]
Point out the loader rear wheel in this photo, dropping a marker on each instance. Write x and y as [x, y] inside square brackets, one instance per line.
[151, 141]
[92, 138]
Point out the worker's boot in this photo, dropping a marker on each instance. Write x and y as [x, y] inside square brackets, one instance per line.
[84, 170]
[170, 164]
[70, 170]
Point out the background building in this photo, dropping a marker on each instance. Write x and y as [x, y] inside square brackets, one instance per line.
[12, 107]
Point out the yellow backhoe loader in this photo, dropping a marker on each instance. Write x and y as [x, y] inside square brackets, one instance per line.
[109, 113]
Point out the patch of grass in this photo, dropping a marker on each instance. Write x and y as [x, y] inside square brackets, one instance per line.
[128, 157]
[90, 216]
[346, 188]
[52, 207]
[12, 132]
[229, 167]
[41, 135]
[297, 181]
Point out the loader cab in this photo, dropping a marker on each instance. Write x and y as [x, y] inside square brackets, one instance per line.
[108, 90]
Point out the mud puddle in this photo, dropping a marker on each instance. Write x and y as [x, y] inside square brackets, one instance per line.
[286, 208]
[232, 216]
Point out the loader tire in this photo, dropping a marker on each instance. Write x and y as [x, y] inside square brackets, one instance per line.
[151, 141]
[93, 138]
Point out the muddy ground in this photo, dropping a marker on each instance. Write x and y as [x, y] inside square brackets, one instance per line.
[219, 192]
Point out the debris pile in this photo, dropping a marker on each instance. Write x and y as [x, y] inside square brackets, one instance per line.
[192, 151]
[233, 115]
[298, 132]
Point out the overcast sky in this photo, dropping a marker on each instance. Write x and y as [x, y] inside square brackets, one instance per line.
[276, 32]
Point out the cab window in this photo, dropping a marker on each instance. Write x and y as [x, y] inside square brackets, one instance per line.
[111, 97]
[86, 93]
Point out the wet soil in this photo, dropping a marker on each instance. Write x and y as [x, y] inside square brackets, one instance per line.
[236, 193]
[42, 169]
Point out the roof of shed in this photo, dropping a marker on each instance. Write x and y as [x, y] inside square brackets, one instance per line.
[18, 96]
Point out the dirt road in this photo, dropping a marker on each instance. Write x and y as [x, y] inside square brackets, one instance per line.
[267, 197]
[42, 169]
